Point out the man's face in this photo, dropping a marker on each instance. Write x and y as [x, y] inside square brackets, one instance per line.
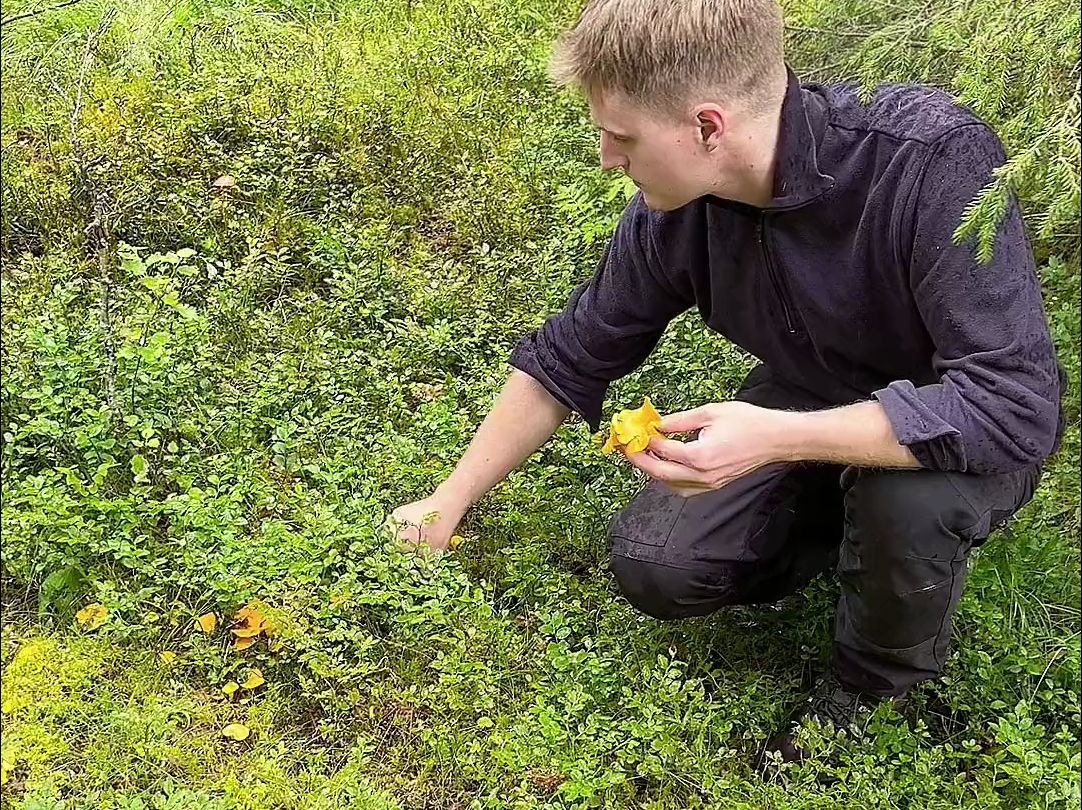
[667, 158]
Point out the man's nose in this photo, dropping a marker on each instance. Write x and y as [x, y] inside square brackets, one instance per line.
[610, 156]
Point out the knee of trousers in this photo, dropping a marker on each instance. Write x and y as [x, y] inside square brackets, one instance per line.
[668, 592]
[903, 561]
[895, 517]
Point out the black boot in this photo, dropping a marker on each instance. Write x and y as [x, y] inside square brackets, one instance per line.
[830, 702]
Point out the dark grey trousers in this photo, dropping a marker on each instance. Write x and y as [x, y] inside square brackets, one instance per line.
[900, 541]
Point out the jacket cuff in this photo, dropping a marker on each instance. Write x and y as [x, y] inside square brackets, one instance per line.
[524, 358]
[934, 442]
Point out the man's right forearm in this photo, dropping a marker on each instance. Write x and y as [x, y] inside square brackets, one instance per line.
[524, 417]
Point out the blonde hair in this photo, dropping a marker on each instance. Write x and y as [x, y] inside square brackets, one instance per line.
[661, 53]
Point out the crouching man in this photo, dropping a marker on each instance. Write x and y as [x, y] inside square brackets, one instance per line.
[907, 395]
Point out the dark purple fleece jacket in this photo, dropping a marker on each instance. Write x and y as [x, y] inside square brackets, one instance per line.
[847, 286]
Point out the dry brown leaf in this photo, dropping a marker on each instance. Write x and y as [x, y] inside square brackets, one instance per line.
[547, 782]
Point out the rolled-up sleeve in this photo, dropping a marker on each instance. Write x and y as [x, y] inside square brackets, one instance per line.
[996, 406]
[611, 322]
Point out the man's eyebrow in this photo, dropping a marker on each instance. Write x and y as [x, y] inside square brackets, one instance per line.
[610, 131]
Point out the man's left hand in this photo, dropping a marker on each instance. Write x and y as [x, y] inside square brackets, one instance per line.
[734, 438]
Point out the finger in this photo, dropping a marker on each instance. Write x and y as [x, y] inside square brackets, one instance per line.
[672, 450]
[406, 545]
[686, 491]
[418, 548]
[663, 470]
[405, 530]
[700, 488]
[684, 421]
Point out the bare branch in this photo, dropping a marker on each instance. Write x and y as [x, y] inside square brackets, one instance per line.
[36, 12]
[77, 109]
[98, 232]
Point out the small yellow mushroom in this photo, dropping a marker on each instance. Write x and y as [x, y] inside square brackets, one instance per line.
[632, 430]
[236, 731]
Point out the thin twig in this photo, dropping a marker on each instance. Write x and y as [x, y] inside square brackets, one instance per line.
[36, 12]
[98, 232]
[106, 322]
[77, 109]
[826, 71]
[801, 29]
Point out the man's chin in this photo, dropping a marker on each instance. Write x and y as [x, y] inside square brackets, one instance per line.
[660, 204]
[655, 203]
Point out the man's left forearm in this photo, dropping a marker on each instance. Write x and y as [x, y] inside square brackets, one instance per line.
[735, 438]
[860, 435]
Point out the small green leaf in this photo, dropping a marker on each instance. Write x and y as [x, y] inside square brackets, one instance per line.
[139, 466]
[61, 591]
[133, 264]
[102, 472]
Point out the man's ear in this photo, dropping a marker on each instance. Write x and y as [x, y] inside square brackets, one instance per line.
[711, 123]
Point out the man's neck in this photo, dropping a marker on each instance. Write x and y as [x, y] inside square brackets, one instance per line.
[759, 163]
[756, 147]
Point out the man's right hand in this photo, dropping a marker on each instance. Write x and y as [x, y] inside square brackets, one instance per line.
[431, 521]
[524, 417]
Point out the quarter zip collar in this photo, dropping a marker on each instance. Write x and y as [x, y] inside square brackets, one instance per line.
[797, 177]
